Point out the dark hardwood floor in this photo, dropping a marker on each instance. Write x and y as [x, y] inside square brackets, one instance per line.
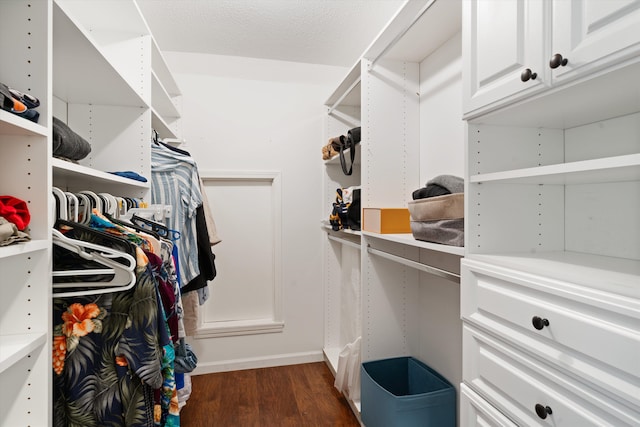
[288, 396]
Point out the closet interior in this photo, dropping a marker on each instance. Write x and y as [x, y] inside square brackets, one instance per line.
[535, 104]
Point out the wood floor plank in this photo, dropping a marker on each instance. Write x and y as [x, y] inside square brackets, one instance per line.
[287, 396]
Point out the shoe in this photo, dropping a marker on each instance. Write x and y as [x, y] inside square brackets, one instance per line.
[28, 100]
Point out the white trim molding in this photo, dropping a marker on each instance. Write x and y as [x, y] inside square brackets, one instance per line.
[261, 325]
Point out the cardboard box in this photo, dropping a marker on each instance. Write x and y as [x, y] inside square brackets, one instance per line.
[386, 220]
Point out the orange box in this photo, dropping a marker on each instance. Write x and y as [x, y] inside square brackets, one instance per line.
[386, 220]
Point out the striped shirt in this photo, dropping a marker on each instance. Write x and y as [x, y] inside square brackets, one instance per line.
[174, 182]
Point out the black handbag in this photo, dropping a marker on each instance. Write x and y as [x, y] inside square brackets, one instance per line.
[349, 142]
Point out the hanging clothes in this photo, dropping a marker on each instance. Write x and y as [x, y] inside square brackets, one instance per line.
[114, 353]
[172, 183]
[176, 182]
[106, 353]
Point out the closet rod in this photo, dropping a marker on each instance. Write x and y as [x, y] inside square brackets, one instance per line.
[404, 31]
[343, 96]
[417, 265]
[344, 241]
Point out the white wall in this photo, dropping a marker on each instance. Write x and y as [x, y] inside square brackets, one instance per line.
[242, 114]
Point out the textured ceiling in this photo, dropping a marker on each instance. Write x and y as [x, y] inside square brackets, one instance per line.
[331, 32]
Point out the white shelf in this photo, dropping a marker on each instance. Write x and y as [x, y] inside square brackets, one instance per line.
[610, 169]
[82, 74]
[161, 70]
[416, 31]
[335, 160]
[409, 240]
[10, 124]
[617, 275]
[68, 172]
[348, 91]
[161, 126]
[14, 348]
[161, 100]
[23, 248]
[101, 15]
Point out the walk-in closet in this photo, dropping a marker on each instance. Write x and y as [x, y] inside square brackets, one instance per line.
[386, 213]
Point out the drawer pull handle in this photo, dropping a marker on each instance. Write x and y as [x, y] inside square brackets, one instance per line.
[527, 75]
[543, 411]
[539, 322]
[557, 60]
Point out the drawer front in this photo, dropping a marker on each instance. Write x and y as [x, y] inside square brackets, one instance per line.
[531, 393]
[591, 340]
[477, 412]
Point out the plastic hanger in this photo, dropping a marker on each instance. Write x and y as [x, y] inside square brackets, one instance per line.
[73, 206]
[148, 224]
[61, 203]
[123, 274]
[84, 208]
[96, 201]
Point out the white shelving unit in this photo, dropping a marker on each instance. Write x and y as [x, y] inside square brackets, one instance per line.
[25, 173]
[406, 94]
[96, 66]
[341, 248]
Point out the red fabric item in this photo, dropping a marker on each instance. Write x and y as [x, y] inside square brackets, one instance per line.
[15, 211]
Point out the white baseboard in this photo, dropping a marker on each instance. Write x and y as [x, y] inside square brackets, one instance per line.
[258, 362]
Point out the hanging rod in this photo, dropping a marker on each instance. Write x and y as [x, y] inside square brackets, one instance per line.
[417, 265]
[404, 31]
[344, 241]
[344, 95]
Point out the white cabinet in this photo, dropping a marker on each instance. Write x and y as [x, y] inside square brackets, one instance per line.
[516, 48]
[502, 39]
[526, 331]
[95, 66]
[592, 34]
[553, 232]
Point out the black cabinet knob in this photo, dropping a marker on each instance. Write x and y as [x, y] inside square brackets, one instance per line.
[539, 322]
[527, 74]
[543, 411]
[557, 60]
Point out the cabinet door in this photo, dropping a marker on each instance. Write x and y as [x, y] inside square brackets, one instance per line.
[501, 39]
[592, 34]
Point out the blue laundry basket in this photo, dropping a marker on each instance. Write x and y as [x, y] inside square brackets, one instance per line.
[404, 392]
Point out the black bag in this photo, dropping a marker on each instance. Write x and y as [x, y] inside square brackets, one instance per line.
[349, 142]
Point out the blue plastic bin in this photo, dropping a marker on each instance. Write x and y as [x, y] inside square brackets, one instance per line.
[404, 392]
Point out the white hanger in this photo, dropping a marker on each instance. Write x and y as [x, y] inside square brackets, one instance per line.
[124, 275]
[84, 208]
[96, 200]
[112, 204]
[73, 206]
[62, 203]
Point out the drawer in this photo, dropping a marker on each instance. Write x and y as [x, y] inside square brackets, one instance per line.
[592, 335]
[532, 393]
[477, 412]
